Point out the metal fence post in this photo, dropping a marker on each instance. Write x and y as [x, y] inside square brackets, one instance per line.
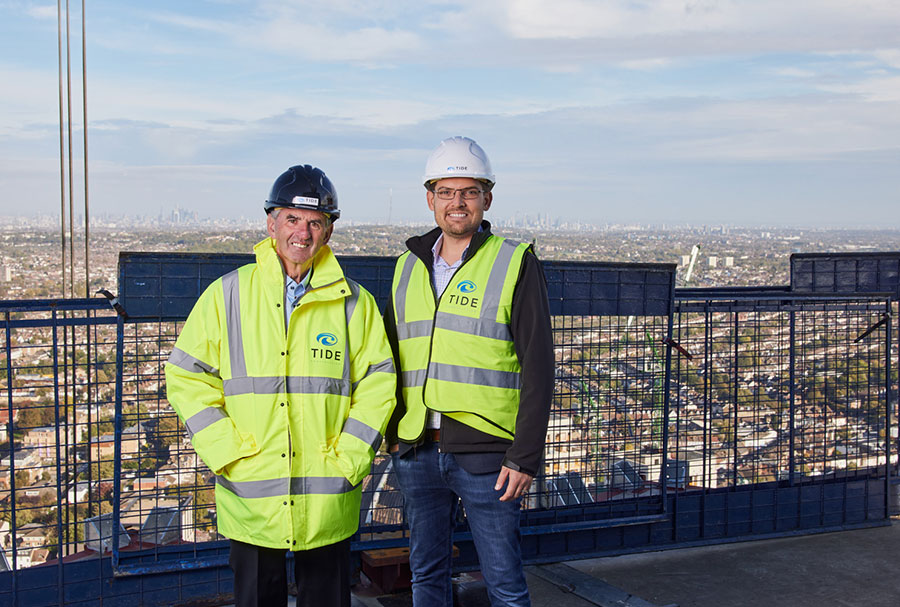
[117, 474]
[792, 374]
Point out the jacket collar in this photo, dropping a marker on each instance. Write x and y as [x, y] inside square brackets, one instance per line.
[326, 271]
[421, 246]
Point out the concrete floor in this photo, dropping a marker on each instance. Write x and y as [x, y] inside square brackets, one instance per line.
[847, 568]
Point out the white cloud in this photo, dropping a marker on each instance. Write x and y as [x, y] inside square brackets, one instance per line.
[890, 57]
[368, 45]
[44, 11]
[786, 130]
[646, 65]
[536, 19]
[317, 33]
[873, 90]
[793, 72]
[323, 33]
[34, 98]
[191, 23]
[693, 24]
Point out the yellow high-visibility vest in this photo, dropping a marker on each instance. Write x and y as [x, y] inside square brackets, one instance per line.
[457, 355]
[288, 418]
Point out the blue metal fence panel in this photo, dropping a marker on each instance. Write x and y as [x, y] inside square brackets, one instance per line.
[609, 289]
[164, 286]
[846, 273]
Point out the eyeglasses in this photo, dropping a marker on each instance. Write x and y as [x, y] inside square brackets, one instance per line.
[466, 193]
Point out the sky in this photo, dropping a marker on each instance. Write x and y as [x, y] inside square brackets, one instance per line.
[687, 112]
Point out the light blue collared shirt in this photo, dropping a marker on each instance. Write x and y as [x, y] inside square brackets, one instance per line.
[443, 271]
[293, 291]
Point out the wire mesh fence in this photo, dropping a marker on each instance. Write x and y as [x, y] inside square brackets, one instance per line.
[724, 392]
[606, 435]
[785, 388]
[775, 390]
[165, 491]
[57, 372]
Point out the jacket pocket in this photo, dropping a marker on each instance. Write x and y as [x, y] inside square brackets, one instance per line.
[337, 463]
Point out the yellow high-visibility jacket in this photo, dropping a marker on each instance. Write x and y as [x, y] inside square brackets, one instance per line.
[288, 418]
[457, 354]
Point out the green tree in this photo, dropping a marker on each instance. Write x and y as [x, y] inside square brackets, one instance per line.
[33, 415]
[23, 479]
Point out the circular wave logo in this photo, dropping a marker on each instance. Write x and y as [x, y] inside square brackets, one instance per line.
[327, 339]
[466, 286]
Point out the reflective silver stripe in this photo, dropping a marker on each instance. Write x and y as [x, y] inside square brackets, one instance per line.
[253, 385]
[278, 487]
[494, 288]
[232, 291]
[252, 489]
[472, 375]
[413, 379]
[416, 328]
[183, 360]
[366, 434]
[349, 309]
[385, 366]
[318, 385]
[203, 419]
[402, 288]
[484, 327]
[350, 302]
[321, 485]
[295, 385]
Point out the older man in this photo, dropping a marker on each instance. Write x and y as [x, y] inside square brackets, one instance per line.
[284, 379]
[469, 323]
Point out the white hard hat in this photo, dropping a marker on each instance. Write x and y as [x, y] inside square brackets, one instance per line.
[458, 157]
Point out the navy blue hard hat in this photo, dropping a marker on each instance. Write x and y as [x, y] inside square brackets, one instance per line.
[304, 187]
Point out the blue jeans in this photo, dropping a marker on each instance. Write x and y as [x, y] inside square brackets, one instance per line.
[430, 482]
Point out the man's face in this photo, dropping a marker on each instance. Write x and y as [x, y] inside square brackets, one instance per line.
[298, 234]
[459, 216]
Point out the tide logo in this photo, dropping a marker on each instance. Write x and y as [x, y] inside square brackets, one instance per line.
[327, 339]
[464, 286]
[328, 352]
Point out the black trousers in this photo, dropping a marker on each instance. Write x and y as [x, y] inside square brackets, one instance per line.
[260, 575]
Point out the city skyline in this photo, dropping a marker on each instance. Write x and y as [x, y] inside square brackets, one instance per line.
[701, 112]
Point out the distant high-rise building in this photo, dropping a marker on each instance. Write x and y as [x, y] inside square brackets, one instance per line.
[729, 262]
[713, 261]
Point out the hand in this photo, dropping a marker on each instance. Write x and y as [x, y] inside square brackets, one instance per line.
[517, 483]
